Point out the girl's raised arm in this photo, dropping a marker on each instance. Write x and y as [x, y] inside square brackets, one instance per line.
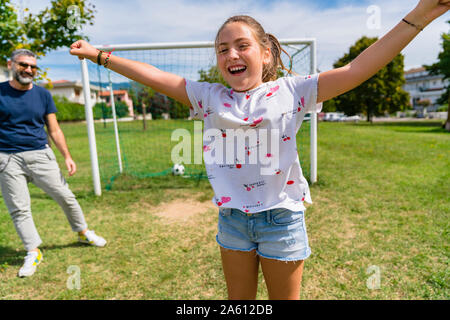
[164, 82]
[338, 81]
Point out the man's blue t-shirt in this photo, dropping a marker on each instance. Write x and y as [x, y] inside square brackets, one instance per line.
[22, 118]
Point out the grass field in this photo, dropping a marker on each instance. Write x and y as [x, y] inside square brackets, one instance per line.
[381, 205]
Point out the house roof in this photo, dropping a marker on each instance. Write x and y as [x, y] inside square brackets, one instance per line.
[69, 84]
[115, 92]
[61, 81]
[415, 70]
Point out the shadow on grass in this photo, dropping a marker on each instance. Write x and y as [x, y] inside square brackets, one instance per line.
[409, 126]
[63, 246]
[128, 182]
[79, 193]
[12, 257]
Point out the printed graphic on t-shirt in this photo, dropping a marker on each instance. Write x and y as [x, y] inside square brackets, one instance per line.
[272, 91]
[222, 200]
[254, 185]
[248, 207]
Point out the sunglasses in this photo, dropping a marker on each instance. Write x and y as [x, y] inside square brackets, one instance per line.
[26, 65]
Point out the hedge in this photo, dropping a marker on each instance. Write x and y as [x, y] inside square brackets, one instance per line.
[71, 111]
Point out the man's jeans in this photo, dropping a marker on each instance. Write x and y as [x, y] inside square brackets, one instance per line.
[40, 168]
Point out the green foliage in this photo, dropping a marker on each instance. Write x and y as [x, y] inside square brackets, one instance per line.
[329, 106]
[443, 66]
[141, 95]
[100, 111]
[178, 110]
[213, 75]
[442, 108]
[121, 109]
[8, 29]
[71, 111]
[68, 111]
[381, 94]
[159, 104]
[42, 32]
[103, 111]
[154, 102]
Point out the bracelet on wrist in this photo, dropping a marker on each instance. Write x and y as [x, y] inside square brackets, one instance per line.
[413, 25]
[99, 57]
[105, 64]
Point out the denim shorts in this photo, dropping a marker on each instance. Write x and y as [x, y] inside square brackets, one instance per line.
[275, 234]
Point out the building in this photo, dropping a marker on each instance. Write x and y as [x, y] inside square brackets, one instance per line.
[73, 91]
[119, 95]
[422, 87]
[5, 74]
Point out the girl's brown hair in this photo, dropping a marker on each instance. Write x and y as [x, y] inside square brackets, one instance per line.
[266, 40]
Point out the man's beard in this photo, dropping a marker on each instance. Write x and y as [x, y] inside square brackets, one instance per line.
[23, 80]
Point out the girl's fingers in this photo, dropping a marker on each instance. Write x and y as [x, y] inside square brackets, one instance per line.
[76, 44]
[74, 52]
[78, 49]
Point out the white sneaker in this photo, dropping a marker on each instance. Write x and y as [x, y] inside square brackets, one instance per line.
[32, 259]
[91, 238]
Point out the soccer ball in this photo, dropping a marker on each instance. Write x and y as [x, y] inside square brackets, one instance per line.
[177, 169]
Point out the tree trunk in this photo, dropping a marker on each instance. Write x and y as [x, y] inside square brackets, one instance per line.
[369, 113]
[144, 115]
[447, 123]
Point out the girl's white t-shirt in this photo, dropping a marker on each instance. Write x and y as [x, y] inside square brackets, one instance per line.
[249, 141]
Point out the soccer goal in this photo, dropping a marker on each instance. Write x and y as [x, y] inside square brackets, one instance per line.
[132, 133]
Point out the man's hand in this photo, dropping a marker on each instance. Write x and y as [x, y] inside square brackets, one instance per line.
[58, 138]
[71, 166]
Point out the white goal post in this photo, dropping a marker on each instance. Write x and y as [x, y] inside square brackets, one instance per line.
[297, 44]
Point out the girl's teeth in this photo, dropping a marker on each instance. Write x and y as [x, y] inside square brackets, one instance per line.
[234, 69]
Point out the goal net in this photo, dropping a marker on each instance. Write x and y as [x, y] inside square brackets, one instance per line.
[140, 143]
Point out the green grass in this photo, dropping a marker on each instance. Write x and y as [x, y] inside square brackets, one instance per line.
[382, 200]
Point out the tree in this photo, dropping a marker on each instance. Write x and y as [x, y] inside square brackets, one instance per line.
[443, 67]
[52, 28]
[380, 94]
[160, 105]
[213, 75]
[178, 110]
[424, 103]
[144, 96]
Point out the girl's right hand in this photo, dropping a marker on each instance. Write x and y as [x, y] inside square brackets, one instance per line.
[428, 10]
[82, 49]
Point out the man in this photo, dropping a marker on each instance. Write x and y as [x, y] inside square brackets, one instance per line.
[26, 157]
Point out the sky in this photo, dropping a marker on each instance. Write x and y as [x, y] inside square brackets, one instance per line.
[335, 24]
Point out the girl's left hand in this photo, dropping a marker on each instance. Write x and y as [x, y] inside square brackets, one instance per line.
[431, 9]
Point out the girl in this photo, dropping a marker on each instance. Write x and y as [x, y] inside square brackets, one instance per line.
[261, 215]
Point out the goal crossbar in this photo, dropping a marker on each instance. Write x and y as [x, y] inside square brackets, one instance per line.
[185, 45]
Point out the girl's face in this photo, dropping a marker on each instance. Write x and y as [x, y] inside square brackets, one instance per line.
[240, 57]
